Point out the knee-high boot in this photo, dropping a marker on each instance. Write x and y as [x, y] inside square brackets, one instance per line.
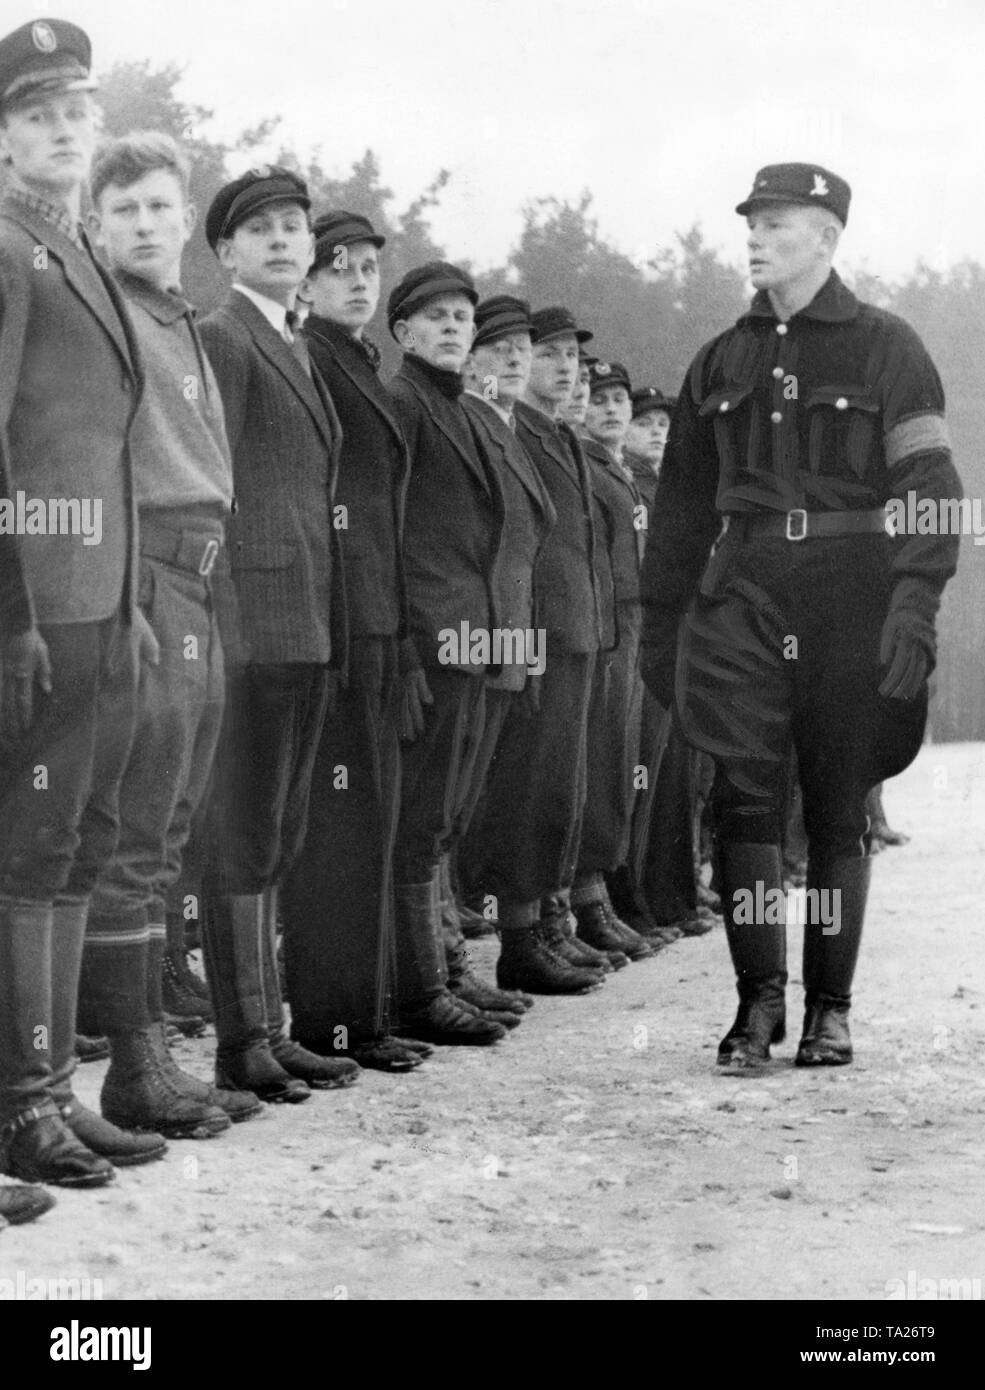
[752, 873]
[830, 957]
[233, 946]
[35, 1142]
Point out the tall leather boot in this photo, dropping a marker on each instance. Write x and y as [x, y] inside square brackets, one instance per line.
[829, 960]
[123, 1147]
[759, 953]
[137, 1094]
[238, 1105]
[461, 980]
[35, 1142]
[427, 1010]
[232, 943]
[321, 1073]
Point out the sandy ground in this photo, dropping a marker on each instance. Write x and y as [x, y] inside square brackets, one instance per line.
[596, 1154]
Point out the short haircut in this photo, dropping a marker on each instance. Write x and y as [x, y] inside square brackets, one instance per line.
[127, 159]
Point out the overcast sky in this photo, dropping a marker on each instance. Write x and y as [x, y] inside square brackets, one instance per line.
[664, 110]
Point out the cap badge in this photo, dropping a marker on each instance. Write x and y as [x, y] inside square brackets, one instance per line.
[602, 369]
[43, 37]
[820, 189]
[260, 171]
[763, 183]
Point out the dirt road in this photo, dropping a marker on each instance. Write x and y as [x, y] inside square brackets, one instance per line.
[596, 1154]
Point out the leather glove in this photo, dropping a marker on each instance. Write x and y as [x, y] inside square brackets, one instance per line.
[908, 645]
[905, 654]
[24, 661]
[416, 695]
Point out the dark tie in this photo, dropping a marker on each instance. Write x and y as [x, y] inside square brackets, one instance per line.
[295, 339]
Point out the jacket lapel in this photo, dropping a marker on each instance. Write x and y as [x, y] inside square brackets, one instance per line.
[516, 458]
[378, 402]
[280, 356]
[474, 467]
[96, 290]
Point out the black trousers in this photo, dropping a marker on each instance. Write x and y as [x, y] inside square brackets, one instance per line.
[443, 771]
[666, 862]
[612, 751]
[781, 649]
[523, 844]
[258, 807]
[59, 782]
[337, 901]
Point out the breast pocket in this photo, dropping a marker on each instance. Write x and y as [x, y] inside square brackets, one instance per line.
[736, 422]
[844, 430]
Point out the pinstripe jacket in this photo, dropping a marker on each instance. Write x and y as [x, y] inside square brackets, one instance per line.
[285, 438]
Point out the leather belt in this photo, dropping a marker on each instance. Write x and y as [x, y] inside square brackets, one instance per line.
[194, 551]
[801, 525]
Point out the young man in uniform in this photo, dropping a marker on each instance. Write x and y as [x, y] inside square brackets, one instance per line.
[70, 632]
[617, 691]
[811, 624]
[183, 482]
[452, 535]
[524, 850]
[337, 901]
[286, 571]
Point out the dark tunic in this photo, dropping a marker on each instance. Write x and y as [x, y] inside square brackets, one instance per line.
[838, 409]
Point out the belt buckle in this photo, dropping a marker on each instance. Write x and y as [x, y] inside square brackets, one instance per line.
[207, 562]
[799, 532]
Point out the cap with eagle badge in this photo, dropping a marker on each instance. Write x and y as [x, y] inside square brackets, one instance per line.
[44, 58]
[602, 374]
[266, 183]
[806, 184]
[651, 398]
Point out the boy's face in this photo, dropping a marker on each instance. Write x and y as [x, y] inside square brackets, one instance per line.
[346, 288]
[554, 370]
[144, 228]
[647, 435]
[609, 412]
[271, 250]
[574, 411]
[441, 332]
[50, 143]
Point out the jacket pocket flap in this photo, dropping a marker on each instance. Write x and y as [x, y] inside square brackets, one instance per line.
[721, 402]
[844, 398]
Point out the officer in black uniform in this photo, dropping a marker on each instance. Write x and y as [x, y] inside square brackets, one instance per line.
[812, 625]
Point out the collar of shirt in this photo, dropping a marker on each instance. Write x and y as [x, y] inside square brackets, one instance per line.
[167, 306]
[833, 303]
[505, 415]
[274, 313]
[55, 213]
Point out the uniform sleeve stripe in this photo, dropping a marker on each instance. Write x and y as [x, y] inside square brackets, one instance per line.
[915, 436]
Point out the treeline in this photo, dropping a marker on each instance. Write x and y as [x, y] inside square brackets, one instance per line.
[652, 316]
